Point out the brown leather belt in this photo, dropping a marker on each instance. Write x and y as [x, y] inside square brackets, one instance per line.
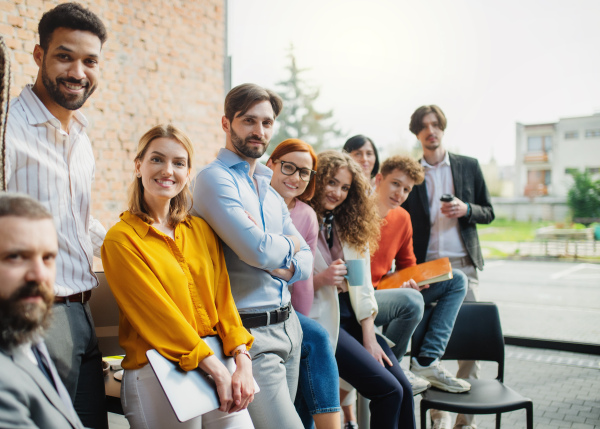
[256, 320]
[81, 297]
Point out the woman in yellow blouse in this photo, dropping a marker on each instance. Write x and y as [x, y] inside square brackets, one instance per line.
[167, 272]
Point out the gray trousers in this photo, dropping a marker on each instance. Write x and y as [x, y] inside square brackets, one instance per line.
[276, 366]
[73, 346]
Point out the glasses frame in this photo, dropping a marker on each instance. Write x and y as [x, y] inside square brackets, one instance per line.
[296, 169]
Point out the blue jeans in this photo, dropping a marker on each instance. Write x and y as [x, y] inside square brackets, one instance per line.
[318, 384]
[400, 311]
[449, 296]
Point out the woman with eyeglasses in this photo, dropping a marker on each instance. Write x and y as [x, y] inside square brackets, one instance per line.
[293, 163]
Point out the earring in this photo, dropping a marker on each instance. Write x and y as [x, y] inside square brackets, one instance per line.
[139, 175]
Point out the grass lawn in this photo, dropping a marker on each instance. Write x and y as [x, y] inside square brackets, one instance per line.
[508, 230]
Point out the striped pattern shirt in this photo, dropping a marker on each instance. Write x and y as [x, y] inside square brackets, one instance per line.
[57, 169]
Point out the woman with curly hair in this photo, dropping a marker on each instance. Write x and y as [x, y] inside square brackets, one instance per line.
[349, 227]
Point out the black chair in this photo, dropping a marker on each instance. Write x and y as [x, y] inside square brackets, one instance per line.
[477, 335]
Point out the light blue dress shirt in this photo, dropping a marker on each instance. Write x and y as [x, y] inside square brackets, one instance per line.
[223, 193]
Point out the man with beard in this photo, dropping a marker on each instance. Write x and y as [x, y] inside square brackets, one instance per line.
[31, 392]
[49, 157]
[263, 250]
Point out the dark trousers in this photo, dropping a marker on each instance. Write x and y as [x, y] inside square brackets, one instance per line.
[392, 405]
[73, 346]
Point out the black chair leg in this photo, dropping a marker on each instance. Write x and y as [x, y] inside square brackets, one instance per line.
[423, 417]
[498, 420]
[529, 411]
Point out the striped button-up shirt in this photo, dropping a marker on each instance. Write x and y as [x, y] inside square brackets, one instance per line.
[57, 169]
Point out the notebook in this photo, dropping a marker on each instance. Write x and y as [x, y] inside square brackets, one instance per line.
[190, 393]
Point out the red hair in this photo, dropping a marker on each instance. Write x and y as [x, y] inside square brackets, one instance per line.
[297, 145]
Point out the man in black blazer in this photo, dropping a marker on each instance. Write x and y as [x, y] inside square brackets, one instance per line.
[32, 394]
[448, 229]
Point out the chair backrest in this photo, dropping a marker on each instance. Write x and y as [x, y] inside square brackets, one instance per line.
[477, 335]
[105, 312]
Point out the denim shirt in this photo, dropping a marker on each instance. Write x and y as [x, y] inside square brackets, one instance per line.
[223, 193]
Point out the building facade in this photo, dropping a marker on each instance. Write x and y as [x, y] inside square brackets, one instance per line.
[547, 153]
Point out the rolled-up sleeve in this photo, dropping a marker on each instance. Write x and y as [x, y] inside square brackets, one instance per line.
[149, 309]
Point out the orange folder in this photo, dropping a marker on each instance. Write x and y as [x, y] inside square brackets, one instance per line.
[430, 272]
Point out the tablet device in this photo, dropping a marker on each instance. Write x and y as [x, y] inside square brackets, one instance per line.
[190, 393]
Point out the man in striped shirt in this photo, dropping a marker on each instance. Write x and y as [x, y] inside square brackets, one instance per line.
[49, 156]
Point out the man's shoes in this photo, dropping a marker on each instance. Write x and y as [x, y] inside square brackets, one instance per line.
[439, 377]
[351, 425]
[445, 422]
[418, 384]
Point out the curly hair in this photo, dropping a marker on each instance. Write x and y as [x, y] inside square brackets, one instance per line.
[406, 164]
[356, 218]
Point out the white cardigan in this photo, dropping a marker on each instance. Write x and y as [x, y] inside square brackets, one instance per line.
[326, 307]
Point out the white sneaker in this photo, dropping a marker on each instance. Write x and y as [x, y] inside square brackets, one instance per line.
[418, 384]
[439, 377]
[442, 423]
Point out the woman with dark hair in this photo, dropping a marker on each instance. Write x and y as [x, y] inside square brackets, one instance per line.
[167, 272]
[363, 151]
[293, 163]
[349, 228]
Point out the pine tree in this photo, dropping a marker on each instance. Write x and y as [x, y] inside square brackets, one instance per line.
[299, 118]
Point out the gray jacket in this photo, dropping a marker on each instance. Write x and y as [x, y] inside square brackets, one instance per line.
[27, 399]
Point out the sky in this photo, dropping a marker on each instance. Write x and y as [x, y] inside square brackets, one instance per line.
[487, 64]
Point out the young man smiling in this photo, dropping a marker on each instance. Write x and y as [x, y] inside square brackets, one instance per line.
[263, 250]
[49, 156]
[393, 185]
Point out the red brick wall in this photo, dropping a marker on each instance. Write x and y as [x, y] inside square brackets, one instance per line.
[163, 62]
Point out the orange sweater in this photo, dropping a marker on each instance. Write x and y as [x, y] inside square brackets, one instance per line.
[395, 243]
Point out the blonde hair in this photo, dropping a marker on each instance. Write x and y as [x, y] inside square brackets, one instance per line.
[357, 220]
[181, 203]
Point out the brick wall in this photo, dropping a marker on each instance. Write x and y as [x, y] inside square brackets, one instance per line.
[163, 62]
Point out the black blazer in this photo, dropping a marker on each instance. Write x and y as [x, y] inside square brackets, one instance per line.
[469, 187]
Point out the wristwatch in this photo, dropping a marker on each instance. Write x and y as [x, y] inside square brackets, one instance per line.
[242, 352]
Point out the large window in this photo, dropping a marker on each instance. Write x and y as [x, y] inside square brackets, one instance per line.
[539, 143]
[592, 133]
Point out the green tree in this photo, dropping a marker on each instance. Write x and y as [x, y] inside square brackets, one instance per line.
[584, 197]
[299, 118]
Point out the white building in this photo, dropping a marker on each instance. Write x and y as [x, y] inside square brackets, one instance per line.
[546, 153]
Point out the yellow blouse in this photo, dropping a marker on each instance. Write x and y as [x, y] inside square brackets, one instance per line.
[170, 293]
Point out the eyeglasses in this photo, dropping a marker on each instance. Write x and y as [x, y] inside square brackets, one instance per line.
[289, 168]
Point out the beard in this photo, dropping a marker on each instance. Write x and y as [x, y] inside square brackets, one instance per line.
[22, 321]
[245, 149]
[67, 101]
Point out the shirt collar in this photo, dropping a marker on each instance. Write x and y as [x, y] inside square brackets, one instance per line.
[38, 113]
[141, 227]
[233, 160]
[445, 161]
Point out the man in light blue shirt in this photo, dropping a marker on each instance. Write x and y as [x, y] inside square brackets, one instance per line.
[263, 250]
